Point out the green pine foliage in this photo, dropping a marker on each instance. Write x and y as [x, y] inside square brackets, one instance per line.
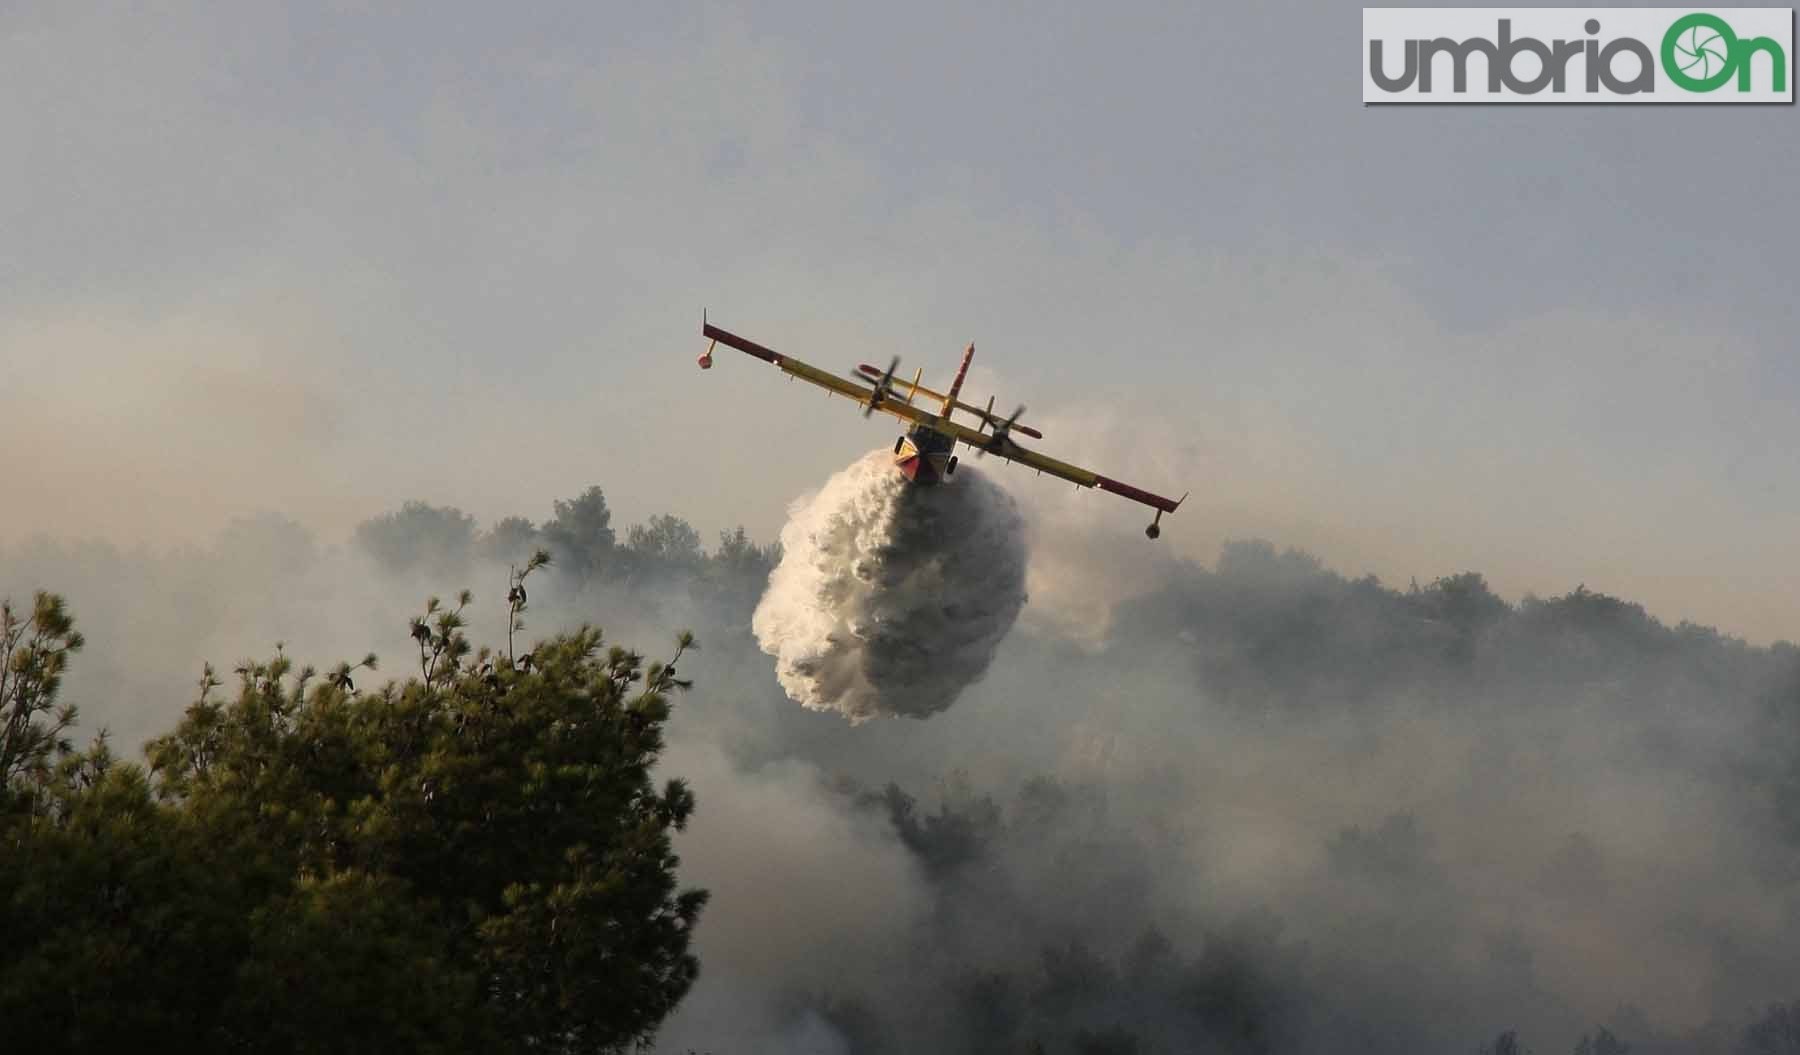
[34, 653]
[474, 859]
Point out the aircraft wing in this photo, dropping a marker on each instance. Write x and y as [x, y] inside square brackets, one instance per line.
[1043, 463]
[894, 403]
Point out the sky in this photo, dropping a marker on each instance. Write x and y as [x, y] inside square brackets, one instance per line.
[321, 259]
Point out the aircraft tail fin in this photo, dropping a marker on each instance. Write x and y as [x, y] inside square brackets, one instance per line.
[956, 385]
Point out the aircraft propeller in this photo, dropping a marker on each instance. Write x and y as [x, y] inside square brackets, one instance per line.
[882, 387]
[1000, 438]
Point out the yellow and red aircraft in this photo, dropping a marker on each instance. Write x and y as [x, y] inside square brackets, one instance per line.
[926, 453]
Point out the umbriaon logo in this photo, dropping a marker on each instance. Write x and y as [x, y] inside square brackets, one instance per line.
[1461, 55]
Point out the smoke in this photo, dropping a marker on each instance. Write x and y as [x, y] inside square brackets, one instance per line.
[1264, 808]
[890, 599]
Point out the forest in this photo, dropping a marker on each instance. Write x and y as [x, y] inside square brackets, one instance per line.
[1272, 808]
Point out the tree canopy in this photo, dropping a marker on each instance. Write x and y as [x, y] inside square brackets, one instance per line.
[475, 858]
[419, 535]
[581, 533]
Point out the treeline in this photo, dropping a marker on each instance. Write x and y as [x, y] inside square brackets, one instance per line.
[580, 538]
[1266, 630]
[1265, 627]
[473, 859]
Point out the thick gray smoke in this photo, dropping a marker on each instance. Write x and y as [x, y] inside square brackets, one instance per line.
[1267, 809]
[890, 599]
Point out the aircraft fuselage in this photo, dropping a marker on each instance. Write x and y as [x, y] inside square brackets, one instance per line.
[924, 455]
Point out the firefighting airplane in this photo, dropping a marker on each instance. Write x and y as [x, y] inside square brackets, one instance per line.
[926, 453]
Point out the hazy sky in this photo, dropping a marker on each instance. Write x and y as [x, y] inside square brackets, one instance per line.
[323, 258]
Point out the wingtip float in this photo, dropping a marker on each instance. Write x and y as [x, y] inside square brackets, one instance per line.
[926, 453]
